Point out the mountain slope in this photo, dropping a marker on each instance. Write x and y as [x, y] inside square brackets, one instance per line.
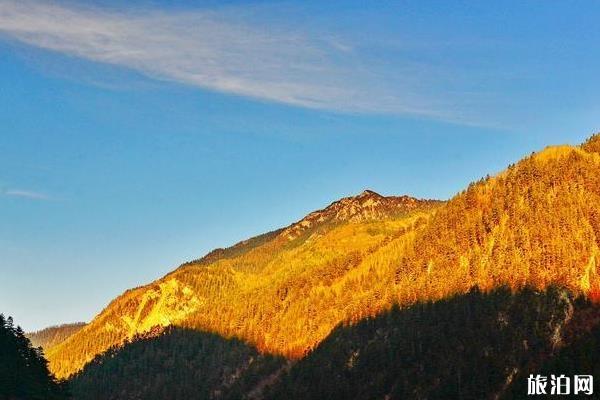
[53, 335]
[534, 225]
[282, 292]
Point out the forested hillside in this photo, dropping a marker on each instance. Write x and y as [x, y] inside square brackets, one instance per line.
[281, 293]
[24, 372]
[473, 346]
[177, 364]
[536, 223]
[531, 227]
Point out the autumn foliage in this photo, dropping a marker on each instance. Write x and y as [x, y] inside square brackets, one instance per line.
[535, 224]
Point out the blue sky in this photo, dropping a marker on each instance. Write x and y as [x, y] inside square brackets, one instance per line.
[134, 139]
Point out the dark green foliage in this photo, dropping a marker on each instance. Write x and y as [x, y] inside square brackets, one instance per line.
[177, 364]
[23, 370]
[467, 347]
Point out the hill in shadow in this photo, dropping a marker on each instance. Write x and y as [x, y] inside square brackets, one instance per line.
[578, 355]
[177, 364]
[473, 346]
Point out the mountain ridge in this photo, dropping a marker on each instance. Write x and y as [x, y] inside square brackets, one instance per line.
[535, 224]
[167, 300]
[367, 205]
[364, 206]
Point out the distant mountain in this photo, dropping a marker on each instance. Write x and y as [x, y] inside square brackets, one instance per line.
[24, 372]
[53, 335]
[289, 293]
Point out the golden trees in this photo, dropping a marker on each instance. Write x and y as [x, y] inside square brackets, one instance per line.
[535, 224]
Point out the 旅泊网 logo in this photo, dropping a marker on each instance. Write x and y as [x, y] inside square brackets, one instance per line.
[560, 385]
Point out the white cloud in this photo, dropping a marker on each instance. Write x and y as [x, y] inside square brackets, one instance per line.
[241, 51]
[27, 194]
[255, 52]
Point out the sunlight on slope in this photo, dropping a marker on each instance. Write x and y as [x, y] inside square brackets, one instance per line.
[282, 295]
[535, 224]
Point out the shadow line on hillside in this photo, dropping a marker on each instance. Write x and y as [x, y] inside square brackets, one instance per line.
[472, 346]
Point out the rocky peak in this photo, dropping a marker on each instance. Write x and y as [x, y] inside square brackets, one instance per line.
[368, 194]
[366, 206]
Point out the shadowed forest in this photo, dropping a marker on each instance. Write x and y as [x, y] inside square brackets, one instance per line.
[474, 346]
[23, 369]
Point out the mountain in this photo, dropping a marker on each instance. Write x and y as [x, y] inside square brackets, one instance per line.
[24, 372]
[53, 335]
[268, 290]
[318, 289]
[367, 206]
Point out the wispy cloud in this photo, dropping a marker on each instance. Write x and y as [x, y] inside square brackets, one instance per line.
[26, 194]
[233, 51]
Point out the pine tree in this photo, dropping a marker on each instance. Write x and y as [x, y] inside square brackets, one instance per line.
[24, 371]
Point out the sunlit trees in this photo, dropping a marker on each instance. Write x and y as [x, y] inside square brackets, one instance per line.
[535, 224]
